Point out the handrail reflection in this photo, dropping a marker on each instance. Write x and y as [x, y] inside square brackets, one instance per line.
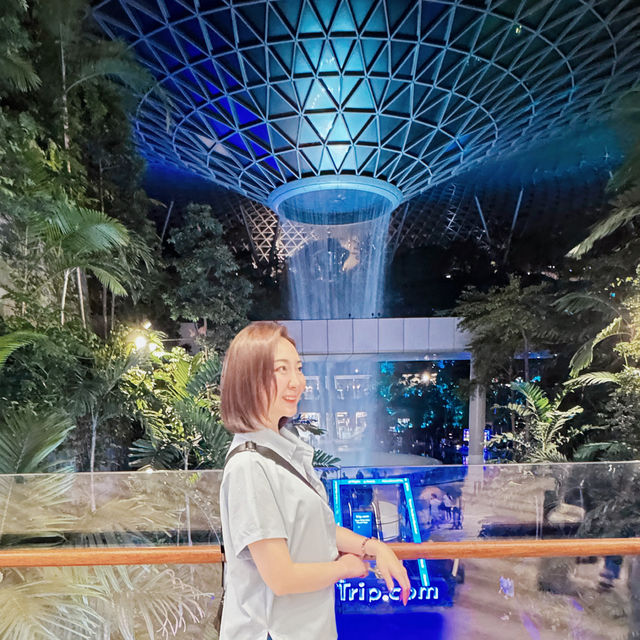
[212, 554]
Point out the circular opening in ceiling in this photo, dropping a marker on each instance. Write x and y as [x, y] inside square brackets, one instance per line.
[334, 199]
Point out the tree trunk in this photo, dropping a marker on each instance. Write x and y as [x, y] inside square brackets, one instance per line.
[105, 313]
[525, 355]
[81, 297]
[64, 295]
[113, 310]
[66, 142]
[92, 458]
[187, 501]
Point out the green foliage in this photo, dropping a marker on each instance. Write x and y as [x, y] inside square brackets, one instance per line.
[208, 288]
[503, 322]
[176, 398]
[541, 432]
[27, 439]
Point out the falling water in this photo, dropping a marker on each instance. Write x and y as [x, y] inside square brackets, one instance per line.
[337, 272]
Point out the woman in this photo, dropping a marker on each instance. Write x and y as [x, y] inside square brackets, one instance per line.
[283, 549]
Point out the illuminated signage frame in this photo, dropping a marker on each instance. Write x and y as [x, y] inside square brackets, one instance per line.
[411, 508]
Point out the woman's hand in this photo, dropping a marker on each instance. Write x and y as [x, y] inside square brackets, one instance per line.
[352, 566]
[389, 567]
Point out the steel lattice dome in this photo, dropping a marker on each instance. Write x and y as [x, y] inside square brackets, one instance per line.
[430, 97]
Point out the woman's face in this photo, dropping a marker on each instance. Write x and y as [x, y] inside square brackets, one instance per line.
[289, 383]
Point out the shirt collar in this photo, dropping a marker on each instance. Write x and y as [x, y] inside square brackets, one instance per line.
[288, 445]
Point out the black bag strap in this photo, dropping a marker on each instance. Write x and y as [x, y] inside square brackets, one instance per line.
[272, 455]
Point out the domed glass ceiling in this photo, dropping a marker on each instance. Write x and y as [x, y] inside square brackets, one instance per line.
[417, 94]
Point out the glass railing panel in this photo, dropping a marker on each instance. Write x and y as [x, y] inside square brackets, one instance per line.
[577, 597]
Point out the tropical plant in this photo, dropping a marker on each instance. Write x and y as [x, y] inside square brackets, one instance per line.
[542, 432]
[176, 399]
[208, 289]
[505, 322]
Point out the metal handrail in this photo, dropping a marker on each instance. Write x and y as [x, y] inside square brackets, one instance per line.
[212, 554]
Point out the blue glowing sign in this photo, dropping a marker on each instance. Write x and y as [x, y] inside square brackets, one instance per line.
[372, 592]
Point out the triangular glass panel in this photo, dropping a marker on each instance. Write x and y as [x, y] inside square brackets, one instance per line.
[322, 123]
[278, 106]
[309, 22]
[285, 54]
[259, 97]
[338, 153]
[371, 48]
[291, 13]
[360, 10]
[243, 114]
[326, 9]
[307, 134]
[318, 98]
[342, 48]
[349, 163]
[261, 133]
[370, 166]
[277, 28]
[290, 159]
[355, 64]
[356, 122]
[276, 70]
[302, 86]
[313, 154]
[278, 141]
[343, 21]
[381, 63]
[328, 62]
[246, 36]
[361, 98]
[259, 151]
[347, 84]
[288, 127]
[435, 30]
[306, 168]
[301, 66]
[362, 154]
[326, 163]
[257, 58]
[254, 15]
[339, 131]
[397, 140]
[378, 86]
[408, 27]
[333, 85]
[370, 133]
[398, 104]
[377, 23]
[313, 49]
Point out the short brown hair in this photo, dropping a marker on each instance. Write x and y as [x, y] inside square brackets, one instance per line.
[248, 383]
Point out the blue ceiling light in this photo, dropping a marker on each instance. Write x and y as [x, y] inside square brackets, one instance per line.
[419, 95]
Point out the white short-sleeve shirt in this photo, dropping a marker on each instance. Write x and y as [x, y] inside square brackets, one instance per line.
[259, 500]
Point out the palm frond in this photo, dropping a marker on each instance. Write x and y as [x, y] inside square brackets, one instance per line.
[48, 604]
[579, 302]
[15, 340]
[324, 459]
[108, 278]
[18, 73]
[145, 453]
[594, 378]
[207, 374]
[583, 357]
[603, 229]
[27, 439]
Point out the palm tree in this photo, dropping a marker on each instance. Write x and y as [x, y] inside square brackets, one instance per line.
[16, 71]
[543, 423]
